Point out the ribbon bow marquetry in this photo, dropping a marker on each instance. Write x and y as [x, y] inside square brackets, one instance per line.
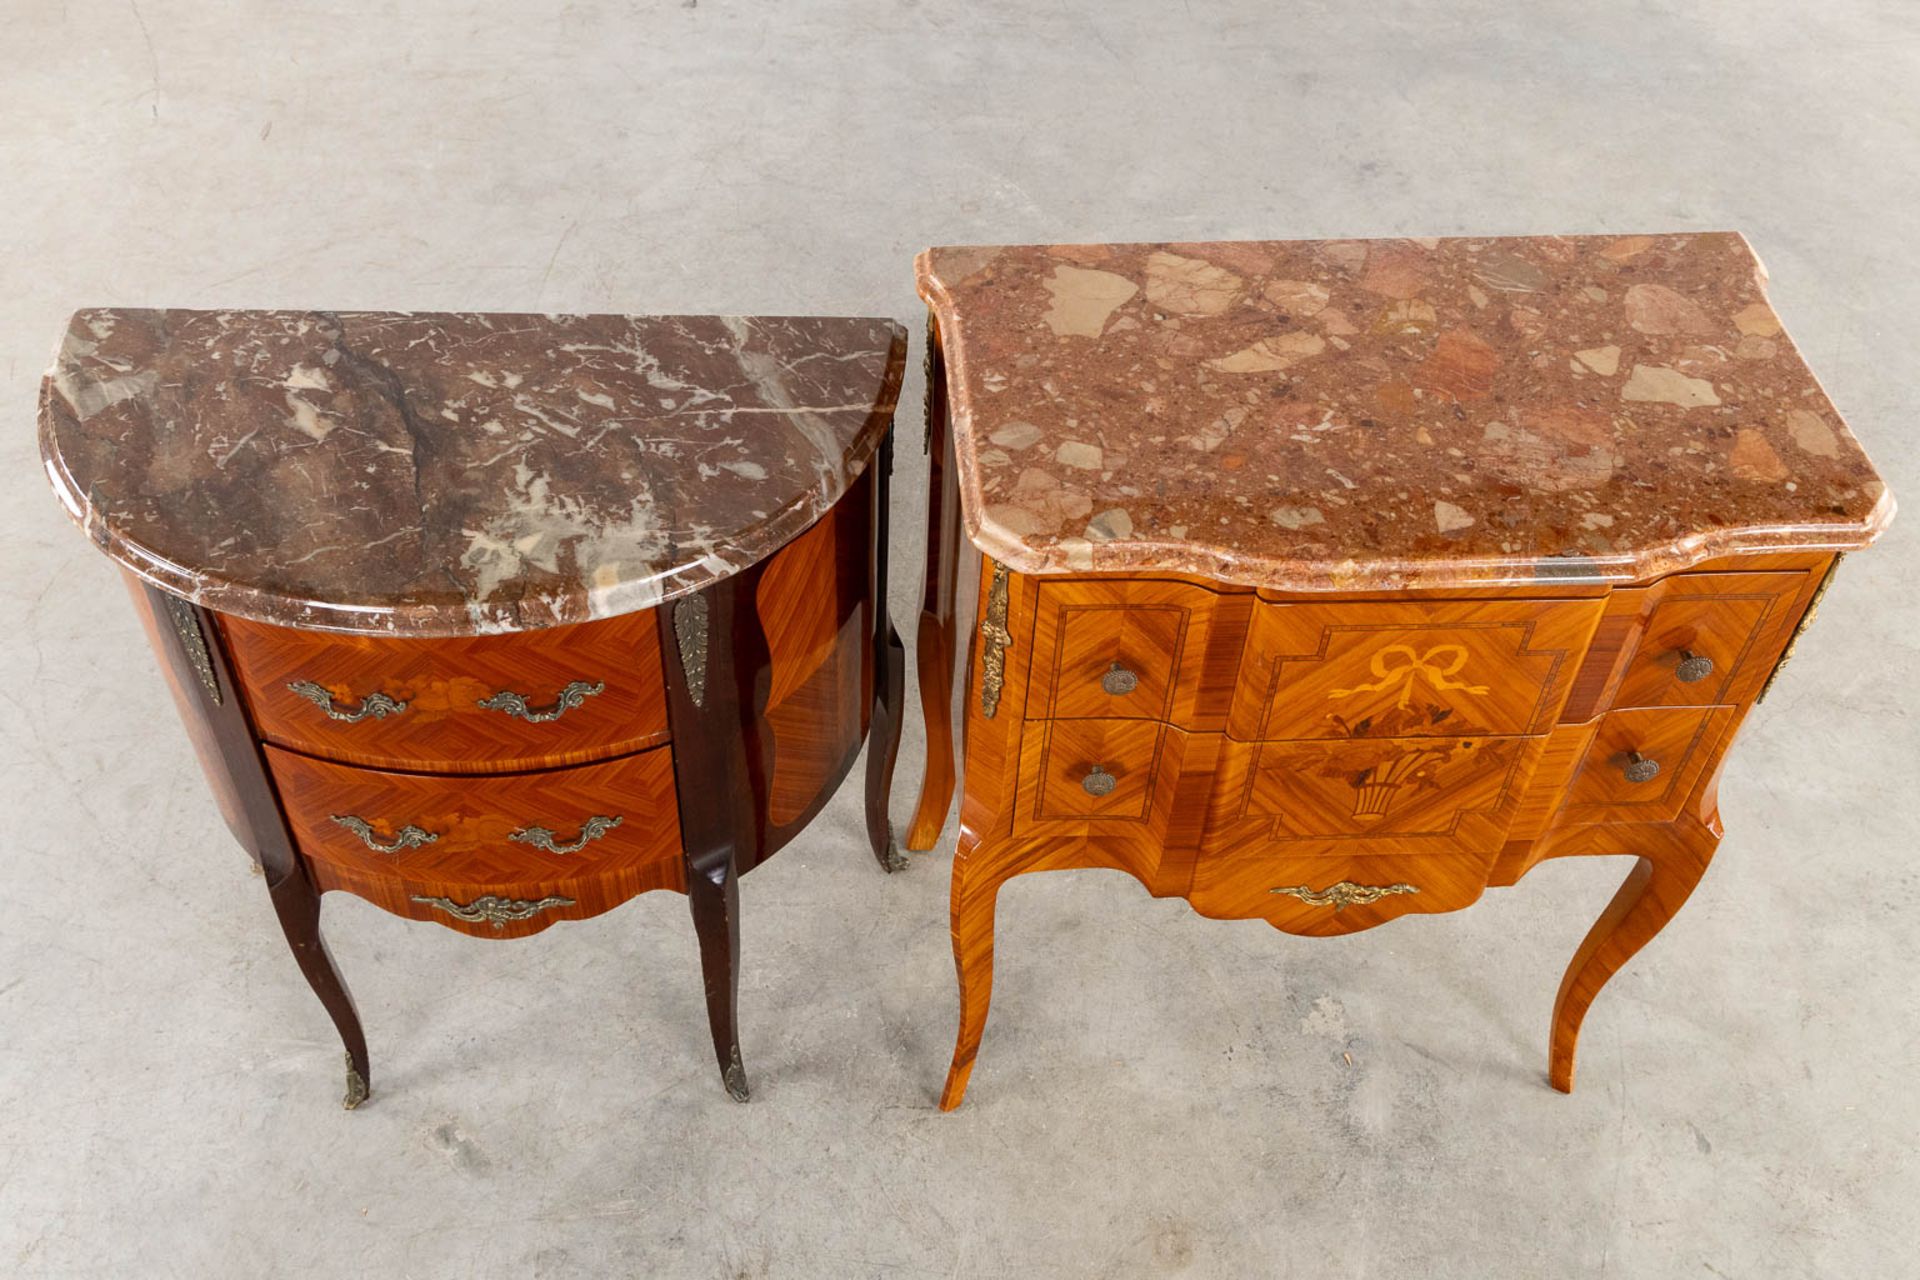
[1398, 664]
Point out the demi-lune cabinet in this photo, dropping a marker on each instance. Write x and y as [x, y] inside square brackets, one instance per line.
[500, 620]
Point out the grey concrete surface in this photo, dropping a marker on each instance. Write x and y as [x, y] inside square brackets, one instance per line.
[1159, 1095]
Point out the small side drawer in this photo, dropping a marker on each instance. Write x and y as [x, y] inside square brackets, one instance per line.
[1092, 771]
[571, 694]
[1321, 897]
[1643, 764]
[1135, 649]
[504, 832]
[1391, 669]
[1709, 638]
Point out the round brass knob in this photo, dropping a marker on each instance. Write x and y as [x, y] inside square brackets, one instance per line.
[1098, 781]
[1694, 667]
[1119, 680]
[1640, 768]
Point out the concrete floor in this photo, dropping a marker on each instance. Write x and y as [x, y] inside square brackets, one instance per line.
[1158, 1095]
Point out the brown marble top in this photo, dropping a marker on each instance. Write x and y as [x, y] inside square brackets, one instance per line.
[445, 474]
[1337, 414]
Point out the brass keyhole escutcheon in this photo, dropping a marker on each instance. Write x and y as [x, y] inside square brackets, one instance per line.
[1098, 781]
[1640, 768]
[1694, 667]
[1118, 680]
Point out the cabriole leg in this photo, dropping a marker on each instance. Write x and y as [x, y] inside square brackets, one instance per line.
[713, 892]
[976, 888]
[934, 645]
[883, 745]
[1653, 891]
[889, 677]
[187, 639]
[297, 904]
[714, 649]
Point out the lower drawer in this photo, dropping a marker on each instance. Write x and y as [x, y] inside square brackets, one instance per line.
[1131, 779]
[431, 847]
[1346, 797]
[1643, 764]
[1096, 771]
[1326, 896]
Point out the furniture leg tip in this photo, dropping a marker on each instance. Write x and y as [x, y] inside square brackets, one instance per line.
[357, 1090]
[736, 1081]
[895, 858]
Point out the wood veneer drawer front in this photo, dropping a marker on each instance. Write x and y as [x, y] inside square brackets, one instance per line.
[506, 833]
[557, 696]
[1709, 638]
[1398, 795]
[1101, 771]
[1643, 764]
[1399, 669]
[1322, 897]
[1134, 649]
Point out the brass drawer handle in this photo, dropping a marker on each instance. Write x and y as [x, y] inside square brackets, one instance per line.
[1098, 781]
[377, 705]
[515, 704]
[590, 830]
[495, 911]
[1344, 894]
[1119, 680]
[1639, 768]
[407, 837]
[1694, 667]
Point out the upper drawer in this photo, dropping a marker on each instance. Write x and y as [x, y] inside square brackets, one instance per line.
[1134, 649]
[472, 704]
[1708, 638]
[1409, 668]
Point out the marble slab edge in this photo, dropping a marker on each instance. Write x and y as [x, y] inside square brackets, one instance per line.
[239, 598]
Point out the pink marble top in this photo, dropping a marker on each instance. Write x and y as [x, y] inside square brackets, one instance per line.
[1341, 414]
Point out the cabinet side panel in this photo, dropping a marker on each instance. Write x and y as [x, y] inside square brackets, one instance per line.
[811, 601]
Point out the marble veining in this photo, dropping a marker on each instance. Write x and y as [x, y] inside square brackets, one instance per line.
[447, 474]
[1327, 415]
